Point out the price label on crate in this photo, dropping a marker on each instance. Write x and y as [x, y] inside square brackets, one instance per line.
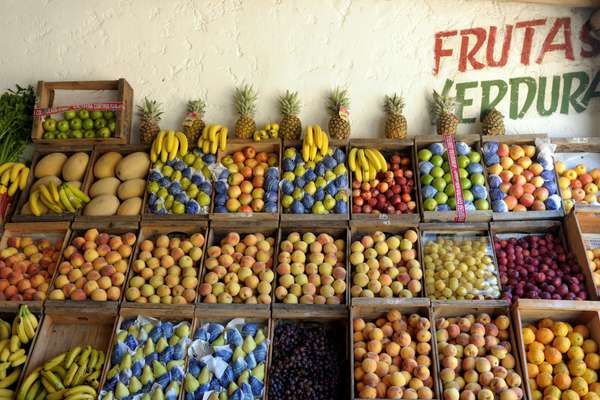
[450, 145]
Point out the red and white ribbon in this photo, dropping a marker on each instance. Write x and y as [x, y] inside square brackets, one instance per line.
[450, 145]
[107, 106]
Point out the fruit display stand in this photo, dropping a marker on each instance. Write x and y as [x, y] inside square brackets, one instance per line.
[460, 309]
[218, 232]
[357, 232]
[387, 147]
[374, 312]
[279, 300]
[579, 151]
[90, 179]
[57, 94]
[237, 145]
[40, 151]
[521, 140]
[261, 317]
[61, 330]
[150, 231]
[51, 231]
[463, 232]
[474, 141]
[520, 229]
[79, 229]
[309, 219]
[531, 311]
[336, 323]
[583, 231]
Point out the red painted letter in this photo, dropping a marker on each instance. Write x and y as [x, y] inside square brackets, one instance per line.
[528, 38]
[439, 51]
[505, 46]
[467, 55]
[549, 45]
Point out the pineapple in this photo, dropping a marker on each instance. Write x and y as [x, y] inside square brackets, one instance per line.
[493, 123]
[443, 113]
[245, 105]
[150, 115]
[338, 103]
[192, 124]
[290, 125]
[395, 124]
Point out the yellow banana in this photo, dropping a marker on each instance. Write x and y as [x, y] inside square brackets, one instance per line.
[23, 178]
[85, 356]
[206, 146]
[212, 132]
[29, 328]
[71, 356]
[80, 375]
[170, 141]
[4, 330]
[10, 378]
[14, 171]
[153, 153]
[35, 388]
[3, 373]
[78, 193]
[370, 155]
[64, 200]
[6, 166]
[325, 147]
[19, 360]
[164, 154]
[382, 161]
[16, 355]
[27, 383]
[7, 393]
[93, 359]
[49, 388]
[305, 151]
[160, 141]
[42, 395]
[313, 152]
[53, 379]
[12, 189]
[53, 189]
[31, 316]
[80, 389]
[362, 159]
[318, 137]
[352, 159]
[74, 200]
[81, 396]
[93, 376]
[70, 375]
[55, 208]
[34, 206]
[22, 335]
[183, 143]
[173, 152]
[54, 362]
[358, 174]
[45, 194]
[223, 141]
[5, 178]
[15, 343]
[3, 189]
[309, 136]
[101, 359]
[204, 135]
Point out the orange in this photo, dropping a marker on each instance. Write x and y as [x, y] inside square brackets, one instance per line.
[576, 338]
[561, 343]
[590, 346]
[545, 323]
[552, 355]
[582, 330]
[560, 329]
[535, 357]
[562, 381]
[543, 380]
[528, 336]
[544, 335]
[575, 353]
[532, 370]
[592, 360]
[536, 346]
[545, 367]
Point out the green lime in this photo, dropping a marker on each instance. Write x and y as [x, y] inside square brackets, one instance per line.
[426, 180]
[436, 172]
[465, 183]
[463, 161]
[474, 156]
[437, 160]
[430, 204]
[439, 184]
[441, 197]
[424, 155]
[467, 195]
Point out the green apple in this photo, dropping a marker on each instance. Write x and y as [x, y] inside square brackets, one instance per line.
[339, 169]
[474, 156]
[439, 184]
[467, 195]
[341, 196]
[169, 201]
[75, 123]
[446, 166]
[463, 161]
[449, 190]
[100, 123]
[426, 179]
[436, 172]
[465, 183]
[49, 125]
[83, 114]
[89, 133]
[185, 183]
[153, 187]
[462, 173]
[104, 132]
[320, 182]
[299, 171]
[87, 124]
[424, 155]
[309, 164]
[178, 207]
[96, 114]
[192, 190]
[289, 176]
[198, 164]
[108, 115]
[176, 176]
[329, 176]
[448, 177]
[162, 192]
[482, 204]
[441, 197]
[77, 134]
[477, 179]
[430, 204]
[69, 115]
[62, 126]
[112, 126]
[49, 135]
[452, 202]
[436, 160]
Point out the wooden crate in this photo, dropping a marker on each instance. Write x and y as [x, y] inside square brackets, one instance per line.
[86, 92]
[459, 230]
[371, 312]
[357, 232]
[126, 313]
[78, 229]
[336, 233]
[522, 228]
[424, 141]
[387, 147]
[520, 216]
[462, 308]
[581, 227]
[289, 219]
[215, 234]
[531, 311]
[578, 150]
[90, 179]
[41, 151]
[269, 146]
[53, 231]
[150, 230]
[332, 318]
[61, 330]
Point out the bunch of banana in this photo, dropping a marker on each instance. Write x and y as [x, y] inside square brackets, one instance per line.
[366, 163]
[13, 176]
[315, 139]
[12, 353]
[72, 375]
[65, 198]
[167, 145]
[213, 138]
[269, 131]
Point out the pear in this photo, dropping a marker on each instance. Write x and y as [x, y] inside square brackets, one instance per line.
[148, 347]
[145, 397]
[109, 396]
[249, 344]
[147, 375]
[244, 376]
[213, 396]
[114, 371]
[175, 363]
[220, 341]
[147, 327]
[223, 396]
[134, 385]
[161, 345]
[134, 330]
[138, 355]
[158, 394]
[183, 330]
[260, 337]
[173, 340]
[238, 353]
[172, 389]
[121, 336]
[121, 391]
[126, 362]
[232, 388]
[204, 376]
[190, 383]
[158, 369]
[259, 372]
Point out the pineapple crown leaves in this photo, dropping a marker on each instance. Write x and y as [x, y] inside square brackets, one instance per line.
[197, 106]
[244, 100]
[337, 99]
[289, 103]
[442, 105]
[150, 109]
[393, 104]
[492, 112]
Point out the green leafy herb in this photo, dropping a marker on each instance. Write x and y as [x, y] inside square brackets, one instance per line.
[16, 118]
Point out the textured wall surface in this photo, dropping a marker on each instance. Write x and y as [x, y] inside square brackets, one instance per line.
[176, 49]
